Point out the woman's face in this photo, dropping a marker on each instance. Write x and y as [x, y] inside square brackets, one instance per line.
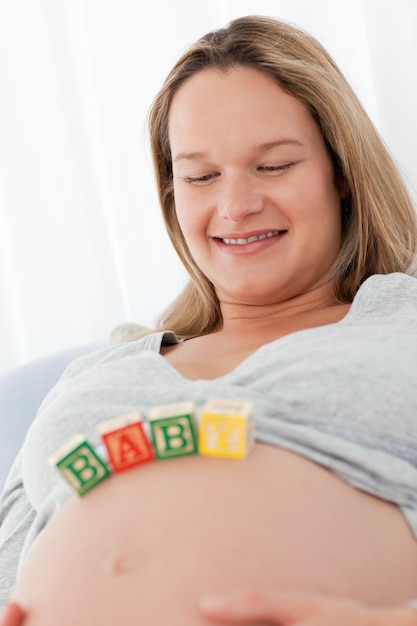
[254, 186]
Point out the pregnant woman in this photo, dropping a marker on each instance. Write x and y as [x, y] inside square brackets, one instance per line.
[298, 235]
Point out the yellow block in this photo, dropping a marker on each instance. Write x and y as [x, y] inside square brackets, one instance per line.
[226, 428]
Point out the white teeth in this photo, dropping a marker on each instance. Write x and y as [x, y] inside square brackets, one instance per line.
[242, 242]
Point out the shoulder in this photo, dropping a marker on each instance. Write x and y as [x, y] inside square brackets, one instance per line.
[387, 295]
[150, 342]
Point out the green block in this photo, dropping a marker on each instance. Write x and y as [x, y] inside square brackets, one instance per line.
[83, 468]
[174, 436]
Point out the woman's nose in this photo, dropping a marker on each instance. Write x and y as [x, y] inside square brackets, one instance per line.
[238, 199]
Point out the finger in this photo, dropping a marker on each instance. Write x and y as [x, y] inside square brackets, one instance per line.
[280, 607]
[13, 615]
[295, 608]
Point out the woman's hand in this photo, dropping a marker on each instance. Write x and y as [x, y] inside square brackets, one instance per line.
[297, 608]
[13, 615]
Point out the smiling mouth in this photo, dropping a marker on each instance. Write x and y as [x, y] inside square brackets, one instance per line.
[242, 241]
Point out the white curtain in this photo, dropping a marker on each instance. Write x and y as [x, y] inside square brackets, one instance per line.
[82, 247]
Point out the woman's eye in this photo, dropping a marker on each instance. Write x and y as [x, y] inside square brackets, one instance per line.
[204, 178]
[275, 168]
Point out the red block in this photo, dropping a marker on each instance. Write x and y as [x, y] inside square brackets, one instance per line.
[127, 446]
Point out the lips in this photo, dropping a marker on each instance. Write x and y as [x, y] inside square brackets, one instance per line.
[243, 241]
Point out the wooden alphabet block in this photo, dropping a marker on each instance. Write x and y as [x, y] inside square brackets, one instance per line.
[80, 465]
[173, 430]
[226, 428]
[126, 442]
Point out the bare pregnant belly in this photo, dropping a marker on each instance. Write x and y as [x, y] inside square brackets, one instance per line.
[145, 545]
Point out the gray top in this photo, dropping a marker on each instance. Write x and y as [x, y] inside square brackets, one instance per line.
[343, 395]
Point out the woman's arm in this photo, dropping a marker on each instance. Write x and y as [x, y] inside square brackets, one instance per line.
[16, 517]
[297, 608]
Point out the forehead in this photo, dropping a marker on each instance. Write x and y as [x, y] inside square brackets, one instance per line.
[240, 104]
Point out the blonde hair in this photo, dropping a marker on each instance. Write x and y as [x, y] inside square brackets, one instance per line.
[379, 230]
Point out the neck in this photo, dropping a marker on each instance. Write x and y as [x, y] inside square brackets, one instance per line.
[237, 316]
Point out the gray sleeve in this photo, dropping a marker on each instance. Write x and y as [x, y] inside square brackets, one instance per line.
[16, 517]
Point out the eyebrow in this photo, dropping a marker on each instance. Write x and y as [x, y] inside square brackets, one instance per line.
[263, 147]
[190, 156]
